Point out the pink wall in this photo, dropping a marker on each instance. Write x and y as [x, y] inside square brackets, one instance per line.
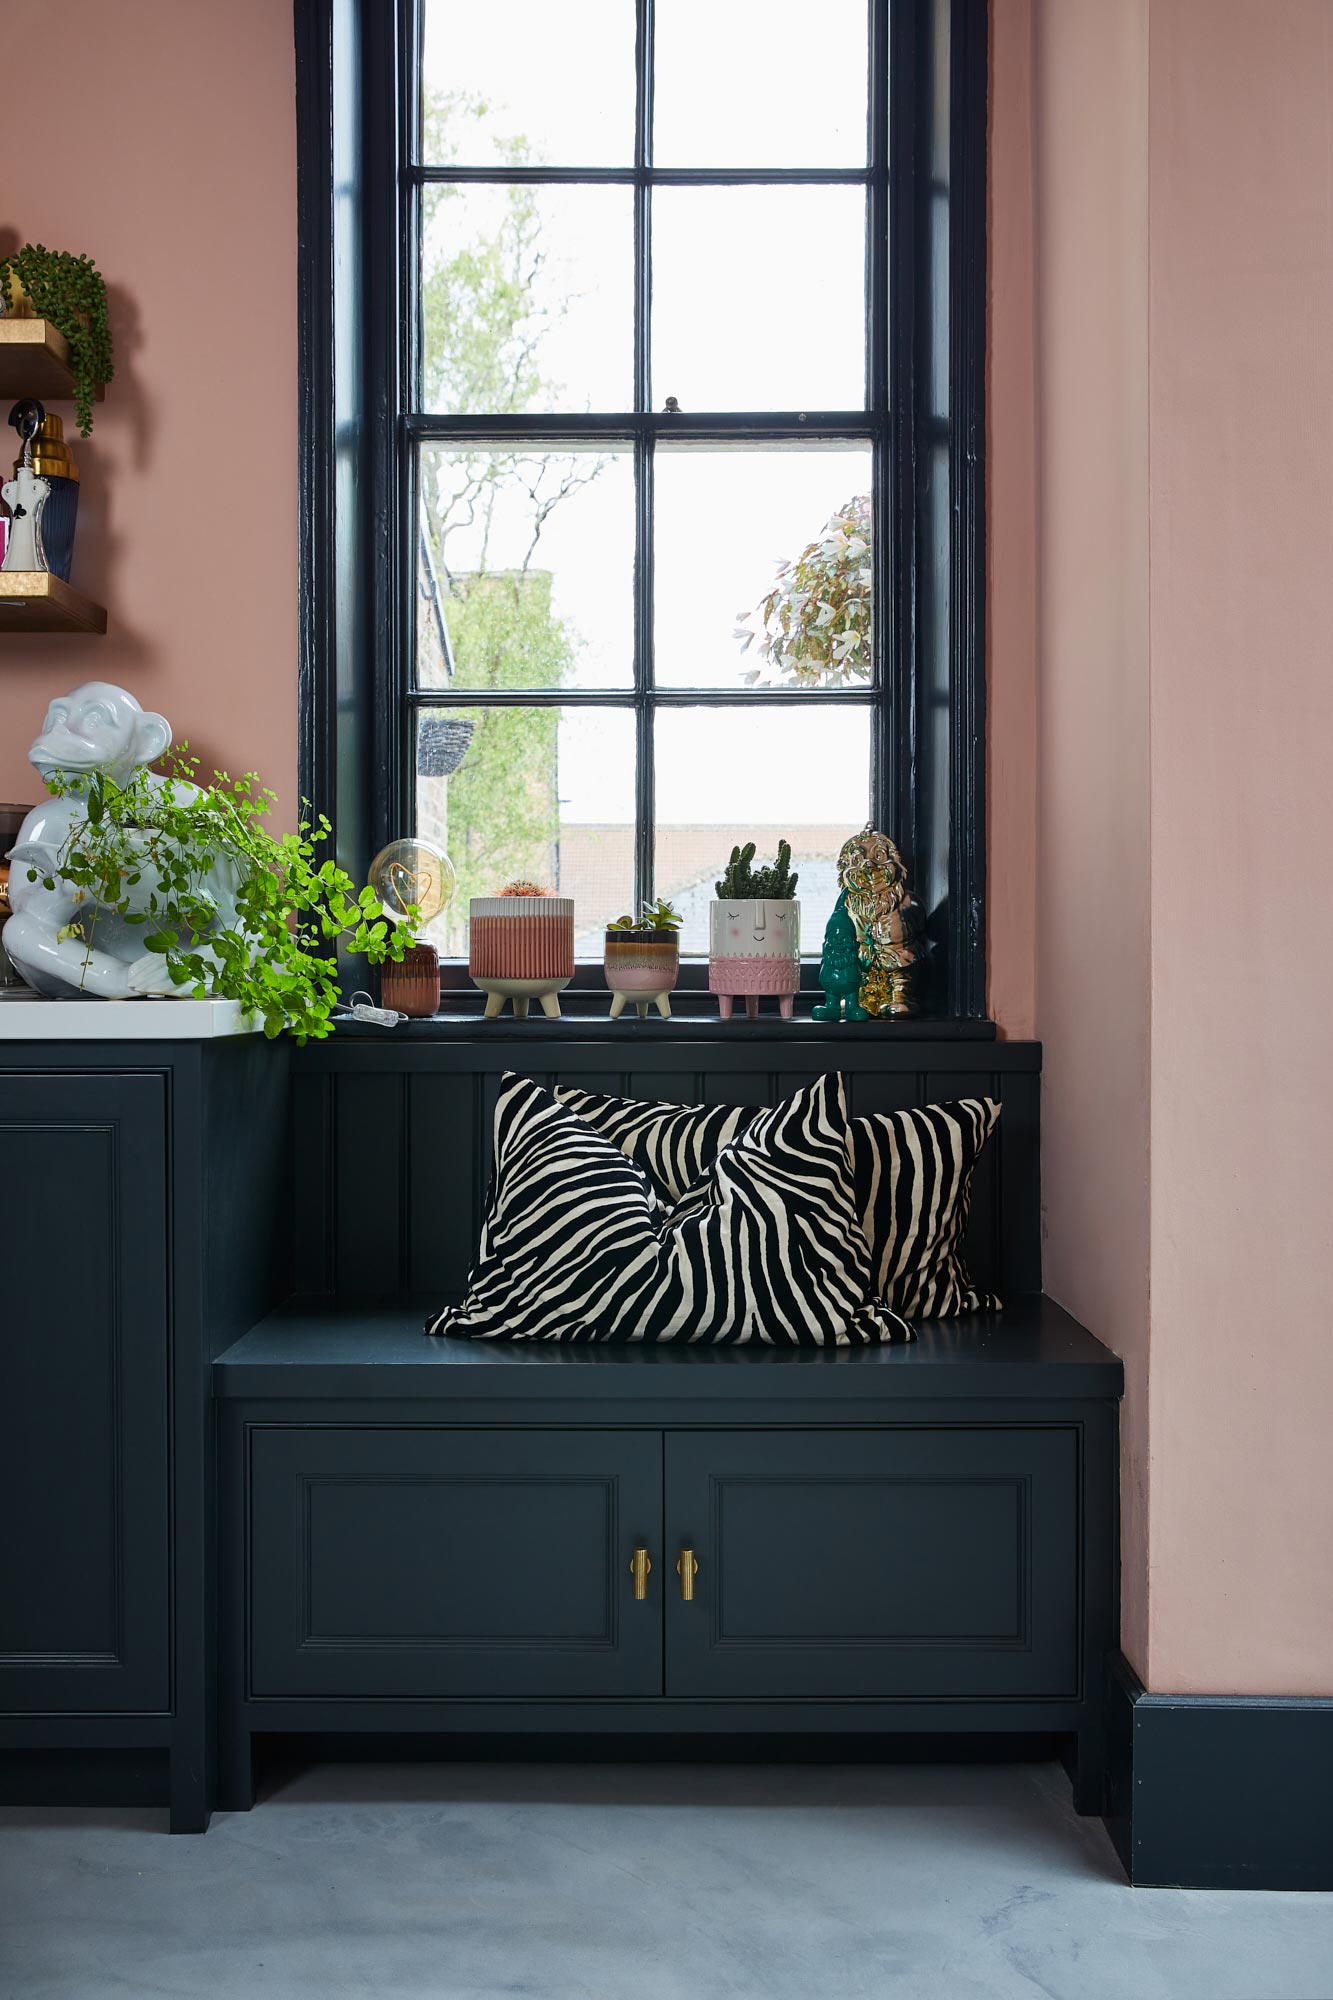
[1090, 119]
[1241, 325]
[1183, 286]
[162, 143]
[1011, 514]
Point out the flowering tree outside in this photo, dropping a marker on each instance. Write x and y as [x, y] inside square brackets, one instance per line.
[813, 628]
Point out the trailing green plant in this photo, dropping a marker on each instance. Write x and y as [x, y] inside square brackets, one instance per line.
[658, 916]
[814, 624]
[743, 882]
[232, 909]
[71, 293]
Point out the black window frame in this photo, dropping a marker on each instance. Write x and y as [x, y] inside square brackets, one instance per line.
[926, 280]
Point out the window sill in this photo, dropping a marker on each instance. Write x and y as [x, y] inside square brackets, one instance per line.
[687, 1024]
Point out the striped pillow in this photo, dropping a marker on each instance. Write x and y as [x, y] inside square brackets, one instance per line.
[912, 1172]
[767, 1249]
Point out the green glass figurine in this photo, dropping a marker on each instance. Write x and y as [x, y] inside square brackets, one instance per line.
[840, 969]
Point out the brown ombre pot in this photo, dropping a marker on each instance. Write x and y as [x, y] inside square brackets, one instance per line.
[641, 967]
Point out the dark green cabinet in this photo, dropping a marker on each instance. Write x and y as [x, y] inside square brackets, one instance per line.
[420, 1564]
[425, 1564]
[84, 1491]
[930, 1563]
[145, 1228]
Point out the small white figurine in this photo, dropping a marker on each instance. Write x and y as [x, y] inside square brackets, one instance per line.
[25, 495]
[49, 936]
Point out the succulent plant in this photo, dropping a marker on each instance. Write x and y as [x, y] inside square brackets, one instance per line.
[743, 882]
[658, 916]
[522, 889]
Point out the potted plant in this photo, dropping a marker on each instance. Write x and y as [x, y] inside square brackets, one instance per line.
[521, 948]
[755, 933]
[191, 873]
[642, 959]
[71, 293]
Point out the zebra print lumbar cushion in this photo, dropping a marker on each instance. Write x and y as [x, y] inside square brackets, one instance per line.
[767, 1248]
[912, 1171]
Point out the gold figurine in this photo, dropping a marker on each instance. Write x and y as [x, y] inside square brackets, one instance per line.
[890, 924]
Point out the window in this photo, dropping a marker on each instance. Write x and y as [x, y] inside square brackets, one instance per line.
[671, 500]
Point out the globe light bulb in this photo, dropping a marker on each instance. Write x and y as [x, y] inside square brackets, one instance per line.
[412, 873]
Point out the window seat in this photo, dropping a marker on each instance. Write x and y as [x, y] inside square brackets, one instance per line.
[336, 1348]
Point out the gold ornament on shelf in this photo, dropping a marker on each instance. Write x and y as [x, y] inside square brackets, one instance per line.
[890, 925]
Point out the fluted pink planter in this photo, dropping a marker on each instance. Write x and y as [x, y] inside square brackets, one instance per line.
[521, 948]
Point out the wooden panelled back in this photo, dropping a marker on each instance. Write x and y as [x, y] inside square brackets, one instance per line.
[393, 1138]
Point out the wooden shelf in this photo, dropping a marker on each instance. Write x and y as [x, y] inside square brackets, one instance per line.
[34, 361]
[32, 600]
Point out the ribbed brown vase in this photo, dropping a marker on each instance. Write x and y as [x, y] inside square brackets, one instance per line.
[413, 985]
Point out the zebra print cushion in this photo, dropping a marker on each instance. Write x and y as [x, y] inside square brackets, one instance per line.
[767, 1249]
[912, 1172]
[673, 1143]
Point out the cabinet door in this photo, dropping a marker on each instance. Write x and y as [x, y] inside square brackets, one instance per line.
[425, 1564]
[920, 1564]
[83, 1394]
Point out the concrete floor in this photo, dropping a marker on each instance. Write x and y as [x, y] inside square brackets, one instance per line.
[631, 1882]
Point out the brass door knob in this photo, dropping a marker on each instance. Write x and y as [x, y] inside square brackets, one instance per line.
[687, 1568]
[639, 1566]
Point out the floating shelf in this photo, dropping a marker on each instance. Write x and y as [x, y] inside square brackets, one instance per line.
[34, 361]
[32, 600]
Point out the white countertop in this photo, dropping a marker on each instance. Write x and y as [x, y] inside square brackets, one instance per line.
[27, 1017]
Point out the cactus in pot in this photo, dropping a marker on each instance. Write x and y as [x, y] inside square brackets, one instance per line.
[755, 933]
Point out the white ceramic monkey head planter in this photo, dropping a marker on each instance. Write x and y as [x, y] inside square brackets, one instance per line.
[99, 728]
[49, 937]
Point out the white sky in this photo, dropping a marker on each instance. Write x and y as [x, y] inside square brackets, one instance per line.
[757, 304]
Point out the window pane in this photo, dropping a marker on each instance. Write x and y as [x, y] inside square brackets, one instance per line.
[544, 795]
[726, 524]
[760, 83]
[526, 299]
[525, 567]
[522, 80]
[759, 298]
[799, 773]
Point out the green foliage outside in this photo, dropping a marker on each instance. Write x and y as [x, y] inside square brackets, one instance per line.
[503, 813]
[482, 330]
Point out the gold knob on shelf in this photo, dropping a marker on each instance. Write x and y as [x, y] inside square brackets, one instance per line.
[639, 1566]
[687, 1569]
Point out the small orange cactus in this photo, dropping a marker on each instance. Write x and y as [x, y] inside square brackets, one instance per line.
[522, 889]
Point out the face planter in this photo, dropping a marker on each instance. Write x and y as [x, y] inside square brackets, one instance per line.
[754, 948]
